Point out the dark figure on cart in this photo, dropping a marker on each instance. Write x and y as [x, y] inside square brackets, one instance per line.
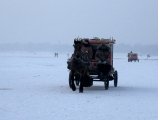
[103, 57]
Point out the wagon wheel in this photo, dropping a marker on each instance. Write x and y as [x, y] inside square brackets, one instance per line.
[115, 78]
[106, 83]
[71, 77]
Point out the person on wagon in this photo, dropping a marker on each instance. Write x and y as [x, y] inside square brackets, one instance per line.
[102, 54]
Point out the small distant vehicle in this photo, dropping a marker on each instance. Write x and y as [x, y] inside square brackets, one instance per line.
[78, 77]
[133, 57]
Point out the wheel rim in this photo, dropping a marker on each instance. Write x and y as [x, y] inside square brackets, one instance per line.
[71, 77]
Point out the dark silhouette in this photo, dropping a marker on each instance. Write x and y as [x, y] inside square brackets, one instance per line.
[79, 66]
[56, 54]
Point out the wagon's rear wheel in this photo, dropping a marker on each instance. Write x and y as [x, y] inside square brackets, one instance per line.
[115, 78]
[71, 77]
[106, 83]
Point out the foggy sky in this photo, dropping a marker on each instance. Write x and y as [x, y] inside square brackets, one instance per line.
[60, 21]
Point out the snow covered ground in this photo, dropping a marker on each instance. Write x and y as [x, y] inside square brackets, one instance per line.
[34, 86]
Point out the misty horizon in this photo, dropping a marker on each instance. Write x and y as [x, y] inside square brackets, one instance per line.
[68, 48]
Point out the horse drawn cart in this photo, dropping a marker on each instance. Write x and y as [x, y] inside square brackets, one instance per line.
[132, 57]
[92, 60]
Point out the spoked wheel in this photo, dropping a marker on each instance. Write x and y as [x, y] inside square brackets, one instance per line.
[106, 83]
[115, 78]
[71, 77]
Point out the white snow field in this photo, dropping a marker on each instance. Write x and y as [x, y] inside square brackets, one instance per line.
[34, 86]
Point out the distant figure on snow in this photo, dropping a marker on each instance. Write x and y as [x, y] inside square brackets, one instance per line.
[55, 54]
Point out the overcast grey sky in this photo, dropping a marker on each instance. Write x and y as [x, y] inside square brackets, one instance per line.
[60, 21]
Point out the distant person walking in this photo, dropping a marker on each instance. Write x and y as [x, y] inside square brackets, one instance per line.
[56, 54]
